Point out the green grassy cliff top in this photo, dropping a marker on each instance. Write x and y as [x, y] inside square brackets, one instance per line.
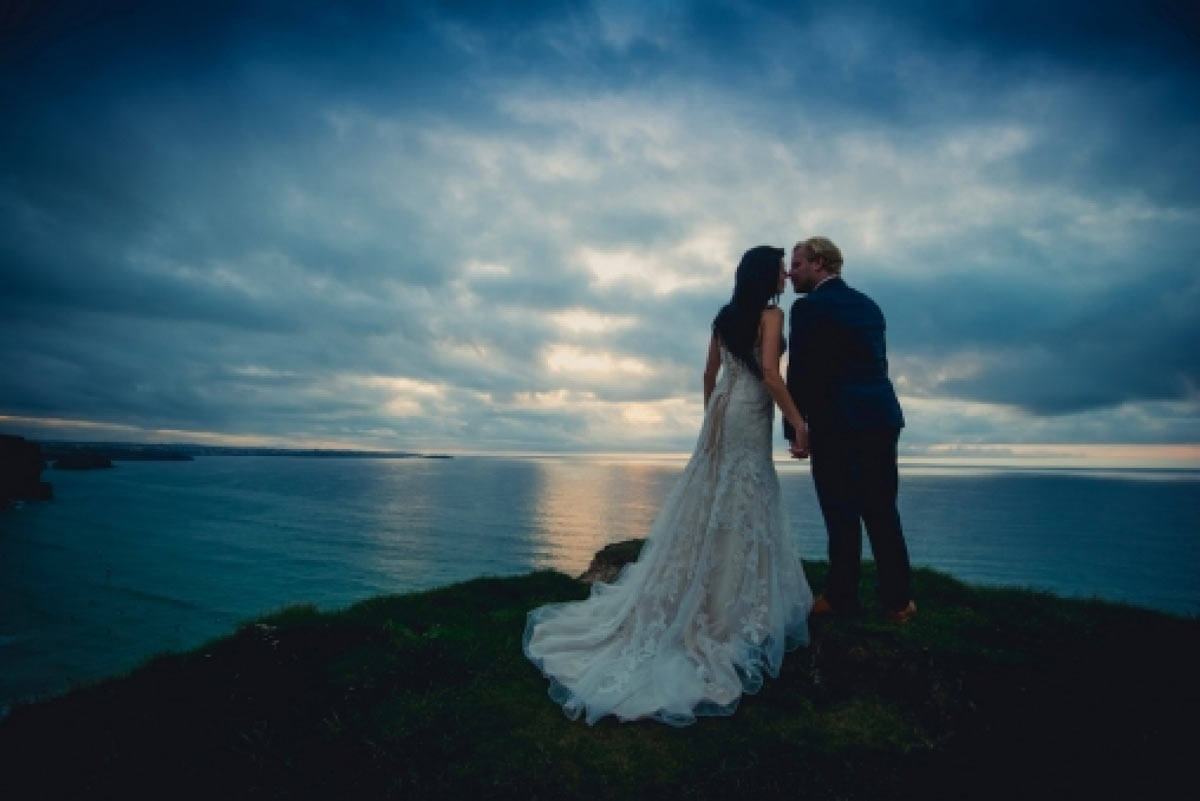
[987, 694]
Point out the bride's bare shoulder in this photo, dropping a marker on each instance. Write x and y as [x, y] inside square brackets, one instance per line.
[772, 318]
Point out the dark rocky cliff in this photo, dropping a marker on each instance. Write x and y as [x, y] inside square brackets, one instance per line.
[21, 466]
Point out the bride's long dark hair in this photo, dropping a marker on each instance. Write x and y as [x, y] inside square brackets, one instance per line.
[755, 287]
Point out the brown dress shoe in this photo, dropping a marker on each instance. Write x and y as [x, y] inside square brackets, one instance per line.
[902, 615]
[821, 608]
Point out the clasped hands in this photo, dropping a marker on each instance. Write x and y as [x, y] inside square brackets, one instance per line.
[798, 444]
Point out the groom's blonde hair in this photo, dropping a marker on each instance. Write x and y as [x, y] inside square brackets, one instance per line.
[823, 250]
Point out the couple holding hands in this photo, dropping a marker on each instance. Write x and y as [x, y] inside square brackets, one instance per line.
[718, 594]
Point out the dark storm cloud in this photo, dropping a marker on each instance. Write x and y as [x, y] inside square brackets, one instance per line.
[429, 222]
[1113, 33]
[1030, 344]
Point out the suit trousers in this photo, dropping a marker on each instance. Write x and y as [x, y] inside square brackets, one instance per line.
[856, 480]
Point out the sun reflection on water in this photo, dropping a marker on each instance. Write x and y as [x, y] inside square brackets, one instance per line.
[581, 506]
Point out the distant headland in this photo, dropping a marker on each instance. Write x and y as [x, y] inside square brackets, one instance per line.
[22, 461]
[168, 452]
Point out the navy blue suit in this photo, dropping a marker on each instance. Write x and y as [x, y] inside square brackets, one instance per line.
[837, 376]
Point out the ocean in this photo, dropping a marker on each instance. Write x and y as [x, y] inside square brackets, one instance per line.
[157, 556]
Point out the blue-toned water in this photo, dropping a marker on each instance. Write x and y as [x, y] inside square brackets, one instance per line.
[154, 556]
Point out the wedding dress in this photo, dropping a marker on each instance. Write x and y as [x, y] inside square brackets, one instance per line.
[715, 599]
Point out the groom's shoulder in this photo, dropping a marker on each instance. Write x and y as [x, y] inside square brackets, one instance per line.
[859, 295]
[799, 306]
[845, 293]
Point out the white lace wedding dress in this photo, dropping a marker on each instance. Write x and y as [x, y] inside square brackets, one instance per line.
[715, 599]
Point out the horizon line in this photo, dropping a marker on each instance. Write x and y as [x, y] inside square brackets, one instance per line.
[1063, 454]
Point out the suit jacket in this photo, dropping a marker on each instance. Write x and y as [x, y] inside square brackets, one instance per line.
[837, 367]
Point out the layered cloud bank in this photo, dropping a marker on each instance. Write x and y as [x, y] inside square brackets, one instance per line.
[415, 226]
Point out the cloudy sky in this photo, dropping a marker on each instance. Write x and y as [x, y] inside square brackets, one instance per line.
[507, 227]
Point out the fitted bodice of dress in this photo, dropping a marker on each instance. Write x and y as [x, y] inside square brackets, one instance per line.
[740, 410]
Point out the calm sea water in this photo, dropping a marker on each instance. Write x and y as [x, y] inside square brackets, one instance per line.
[148, 557]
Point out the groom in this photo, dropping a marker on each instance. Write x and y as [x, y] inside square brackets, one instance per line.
[837, 375]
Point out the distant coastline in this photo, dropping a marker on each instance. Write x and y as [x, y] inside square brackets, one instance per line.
[136, 451]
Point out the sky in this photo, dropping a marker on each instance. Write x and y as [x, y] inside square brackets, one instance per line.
[491, 227]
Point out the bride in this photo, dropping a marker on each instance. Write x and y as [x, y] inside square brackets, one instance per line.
[718, 593]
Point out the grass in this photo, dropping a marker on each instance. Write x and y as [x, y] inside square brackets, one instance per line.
[987, 694]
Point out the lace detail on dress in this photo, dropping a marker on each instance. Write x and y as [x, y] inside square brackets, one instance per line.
[716, 598]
